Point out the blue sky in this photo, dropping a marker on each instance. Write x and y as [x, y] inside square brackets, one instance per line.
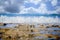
[17, 8]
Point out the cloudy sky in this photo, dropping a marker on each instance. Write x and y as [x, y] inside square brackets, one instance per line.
[30, 11]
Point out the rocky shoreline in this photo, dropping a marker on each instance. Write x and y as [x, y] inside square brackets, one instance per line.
[29, 32]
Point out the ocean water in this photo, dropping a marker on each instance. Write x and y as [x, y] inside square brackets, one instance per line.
[29, 15]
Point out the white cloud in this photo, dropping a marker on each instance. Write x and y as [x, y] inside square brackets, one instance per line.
[33, 1]
[54, 2]
[1, 9]
[58, 9]
[18, 19]
[14, 6]
[41, 9]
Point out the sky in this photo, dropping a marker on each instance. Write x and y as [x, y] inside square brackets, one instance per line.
[29, 11]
